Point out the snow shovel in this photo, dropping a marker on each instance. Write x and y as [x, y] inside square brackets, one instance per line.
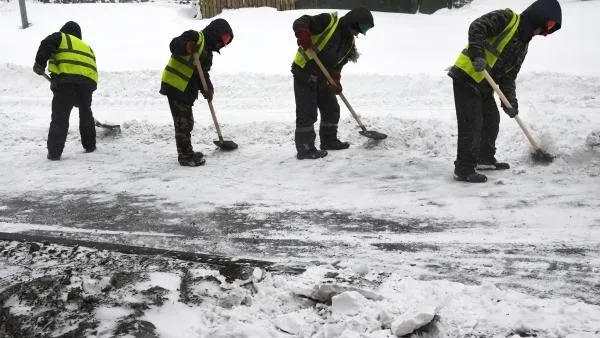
[221, 143]
[372, 134]
[111, 127]
[538, 154]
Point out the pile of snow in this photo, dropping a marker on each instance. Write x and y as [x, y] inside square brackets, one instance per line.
[264, 41]
[106, 294]
[593, 139]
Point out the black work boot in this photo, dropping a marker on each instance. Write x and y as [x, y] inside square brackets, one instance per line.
[53, 157]
[328, 134]
[334, 144]
[90, 149]
[309, 152]
[470, 176]
[492, 164]
[194, 159]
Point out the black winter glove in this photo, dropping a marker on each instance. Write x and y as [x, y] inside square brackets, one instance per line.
[479, 64]
[336, 87]
[512, 112]
[38, 69]
[208, 95]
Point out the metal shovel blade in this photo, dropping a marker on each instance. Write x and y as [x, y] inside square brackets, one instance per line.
[373, 134]
[225, 145]
[107, 126]
[541, 156]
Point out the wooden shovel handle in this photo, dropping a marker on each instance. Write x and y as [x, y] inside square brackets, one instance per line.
[505, 101]
[205, 86]
[333, 83]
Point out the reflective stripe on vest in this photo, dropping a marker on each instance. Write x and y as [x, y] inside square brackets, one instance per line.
[493, 47]
[319, 41]
[180, 68]
[73, 57]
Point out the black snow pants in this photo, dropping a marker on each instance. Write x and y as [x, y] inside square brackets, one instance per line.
[478, 124]
[311, 96]
[66, 96]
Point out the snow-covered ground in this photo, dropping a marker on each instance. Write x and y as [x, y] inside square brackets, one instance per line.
[384, 223]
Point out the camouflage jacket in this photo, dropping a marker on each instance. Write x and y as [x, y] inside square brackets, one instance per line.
[509, 63]
[335, 54]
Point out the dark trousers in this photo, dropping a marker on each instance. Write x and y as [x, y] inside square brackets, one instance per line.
[65, 98]
[478, 123]
[311, 97]
[183, 120]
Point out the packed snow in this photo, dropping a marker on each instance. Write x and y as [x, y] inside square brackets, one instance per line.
[390, 242]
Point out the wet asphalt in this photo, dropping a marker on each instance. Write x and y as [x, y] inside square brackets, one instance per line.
[288, 238]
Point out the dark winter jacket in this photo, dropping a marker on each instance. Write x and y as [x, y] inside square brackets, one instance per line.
[340, 49]
[212, 35]
[49, 46]
[537, 15]
[511, 59]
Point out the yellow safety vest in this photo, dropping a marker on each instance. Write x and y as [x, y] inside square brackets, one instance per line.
[319, 41]
[493, 47]
[179, 70]
[73, 57]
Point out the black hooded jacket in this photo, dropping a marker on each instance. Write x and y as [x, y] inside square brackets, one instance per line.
[537, 15]
[50, 45]
[212, 36]
[340, 49]
[511, 59]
